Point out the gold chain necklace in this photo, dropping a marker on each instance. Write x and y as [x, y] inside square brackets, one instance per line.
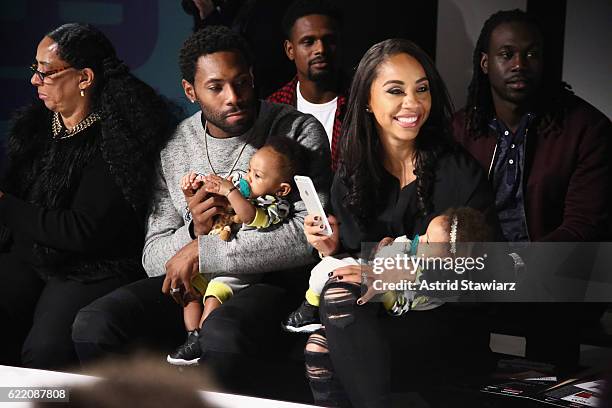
[58, 128]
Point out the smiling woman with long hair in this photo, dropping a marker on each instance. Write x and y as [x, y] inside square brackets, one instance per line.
[398, 169]
[76, 191]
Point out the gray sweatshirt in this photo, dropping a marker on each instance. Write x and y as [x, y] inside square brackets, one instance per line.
[250, 251]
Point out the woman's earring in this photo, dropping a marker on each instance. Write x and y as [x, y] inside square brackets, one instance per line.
[368, 109]
[82, 92]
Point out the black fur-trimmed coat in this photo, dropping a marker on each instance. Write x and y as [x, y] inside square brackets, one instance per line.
[76, 208]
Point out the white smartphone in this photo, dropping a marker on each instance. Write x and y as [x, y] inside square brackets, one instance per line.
[311, 200]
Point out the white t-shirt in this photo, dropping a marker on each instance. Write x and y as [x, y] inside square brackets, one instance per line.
[324, 112]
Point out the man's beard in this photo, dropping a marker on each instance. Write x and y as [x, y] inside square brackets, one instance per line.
[322, 76]
[219, 120]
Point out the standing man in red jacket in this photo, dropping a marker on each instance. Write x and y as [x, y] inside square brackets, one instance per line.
[311, 28]
[546, 152]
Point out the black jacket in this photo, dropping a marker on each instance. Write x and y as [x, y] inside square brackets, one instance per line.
[73, 207]
[459, 182]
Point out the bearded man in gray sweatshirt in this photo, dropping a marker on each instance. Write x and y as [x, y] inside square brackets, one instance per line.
[220, 139]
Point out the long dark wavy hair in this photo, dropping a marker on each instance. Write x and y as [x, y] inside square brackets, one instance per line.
[135, 121]
[479, 108]
[360, 168]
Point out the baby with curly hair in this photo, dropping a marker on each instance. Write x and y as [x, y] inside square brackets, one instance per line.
[454, 225]
[259, 200]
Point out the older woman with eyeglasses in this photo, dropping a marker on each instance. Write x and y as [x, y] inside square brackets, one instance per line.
[76, 191]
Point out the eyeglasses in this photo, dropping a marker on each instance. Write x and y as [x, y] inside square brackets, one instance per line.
[43, 75]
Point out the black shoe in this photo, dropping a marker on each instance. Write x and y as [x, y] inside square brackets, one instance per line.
[304, 320]
[188, 353]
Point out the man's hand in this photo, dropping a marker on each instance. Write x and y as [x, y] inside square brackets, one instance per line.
[203, 208]
[183, 266]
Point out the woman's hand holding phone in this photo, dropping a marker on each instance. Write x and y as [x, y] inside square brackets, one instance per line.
[314, 229]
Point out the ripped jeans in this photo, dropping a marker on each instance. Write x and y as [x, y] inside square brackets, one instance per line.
[363, 353]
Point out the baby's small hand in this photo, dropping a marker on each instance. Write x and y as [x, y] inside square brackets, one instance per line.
[217, 185]
[190, 183]
[386, 241]
[197, 182]
[211, 183]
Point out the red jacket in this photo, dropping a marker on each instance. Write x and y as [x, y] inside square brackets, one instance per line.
[567, 173]
[288, 95]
